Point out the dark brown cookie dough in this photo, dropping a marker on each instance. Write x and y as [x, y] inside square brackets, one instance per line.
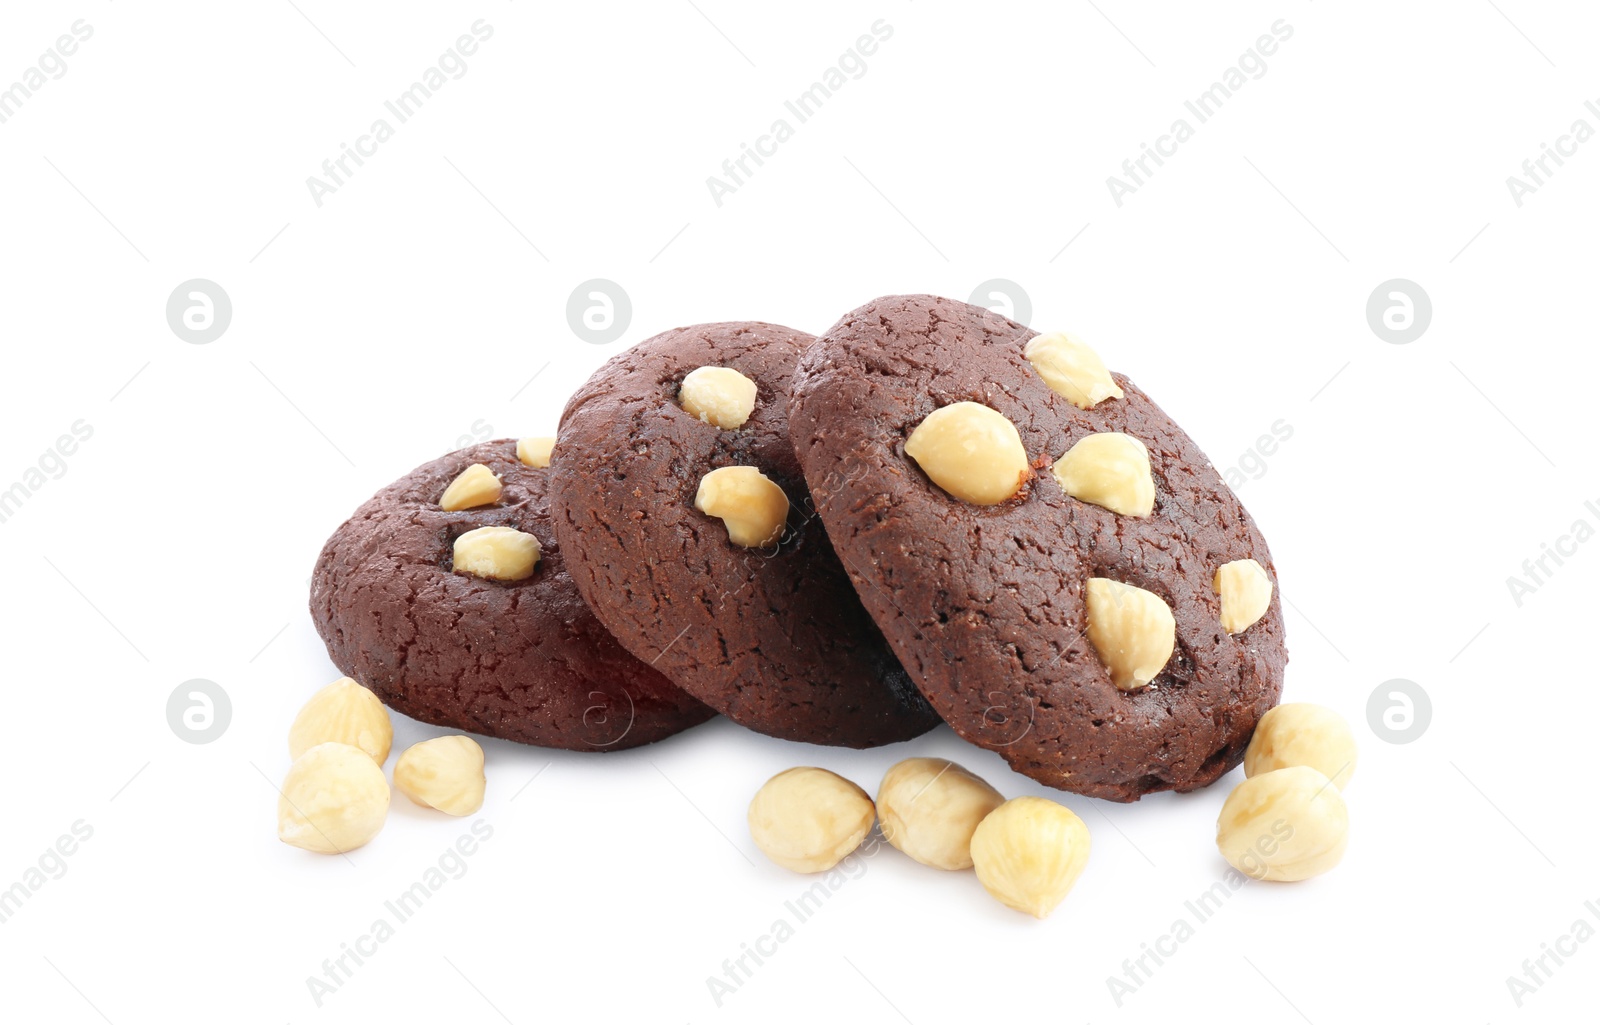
[773, 638]
[524, 660]
[986, 605]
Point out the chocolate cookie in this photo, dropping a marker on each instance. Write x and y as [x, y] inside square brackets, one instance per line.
[687, 527]
[1063, 612]
[520, 657]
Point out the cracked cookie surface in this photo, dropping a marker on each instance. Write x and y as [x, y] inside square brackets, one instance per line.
[775, 637]
[985, 605]
[523, 660]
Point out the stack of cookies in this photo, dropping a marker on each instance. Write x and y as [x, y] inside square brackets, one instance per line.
[929, 513]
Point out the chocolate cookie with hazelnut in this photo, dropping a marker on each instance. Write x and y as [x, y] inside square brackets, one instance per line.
[688, 529]
[1057, 564]
[448, 596]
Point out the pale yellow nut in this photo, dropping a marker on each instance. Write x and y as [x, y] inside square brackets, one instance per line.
[333, 800]
[1302, 734]
[929, 808]
[1132, 629]
[1028, 852]
[444, 773]
[1111, 470]
[496, 553]
[535, 452]
[1284, 826]
[344, 712]
[1071, 369]
[808, 819]
[720, 396]
[970, 451]
[473, 487]
[1246, 591]
[753, 508]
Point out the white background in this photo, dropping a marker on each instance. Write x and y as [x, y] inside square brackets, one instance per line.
[409, 312]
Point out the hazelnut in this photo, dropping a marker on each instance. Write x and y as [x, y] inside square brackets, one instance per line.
[1111, 470]
[929, 808]
[719, 396]
[1071, 369]
[1301, 734]
[444, 773]
[1132, 629]
[535, 452]
[345, 712]
[333, 800]
[970, 451]
[1028, 852]
[496, 553]
[1284, 826]
[753, 508]
[1246, 592]
[476, 485]
[809, 819]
